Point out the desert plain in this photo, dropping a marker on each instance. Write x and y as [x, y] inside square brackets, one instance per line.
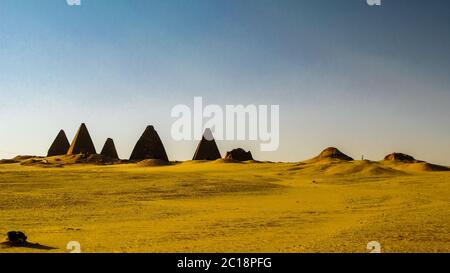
[326, 205]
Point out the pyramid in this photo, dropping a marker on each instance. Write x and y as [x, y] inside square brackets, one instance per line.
[149, 146]
[60, 145]
[207, 148]
[109, 150]
[82, 143]
[239, 155]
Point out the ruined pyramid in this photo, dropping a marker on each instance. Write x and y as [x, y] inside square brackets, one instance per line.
[60, 145]
[400, 157]
[239, 155]
[82, 142]
[149, 146]
[332, 153]
[207, 148]
[109, 150]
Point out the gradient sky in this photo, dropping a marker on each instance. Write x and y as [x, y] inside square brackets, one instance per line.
[368, 80]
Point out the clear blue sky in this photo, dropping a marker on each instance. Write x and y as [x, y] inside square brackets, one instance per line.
[369, 80]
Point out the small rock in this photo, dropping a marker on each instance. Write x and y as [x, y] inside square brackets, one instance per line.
[16, 237]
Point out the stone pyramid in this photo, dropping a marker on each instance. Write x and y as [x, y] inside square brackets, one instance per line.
[149, 146]
[60, 145]
[82, 143]
[207, 148]
[109, 150]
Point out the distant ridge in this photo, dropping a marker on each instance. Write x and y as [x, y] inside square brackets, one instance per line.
[60, 145]
[149, 146]
[207, 148]
[82, 142]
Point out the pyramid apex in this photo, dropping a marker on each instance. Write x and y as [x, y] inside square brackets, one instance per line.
[208, 135]
[62, 133]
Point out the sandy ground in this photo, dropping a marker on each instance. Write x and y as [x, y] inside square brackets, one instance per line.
[330, 206]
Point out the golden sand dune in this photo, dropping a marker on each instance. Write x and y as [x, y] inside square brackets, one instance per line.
[339, 167]
[327, 205]
[153, 162]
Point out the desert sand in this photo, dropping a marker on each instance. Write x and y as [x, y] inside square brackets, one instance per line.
[320, 205]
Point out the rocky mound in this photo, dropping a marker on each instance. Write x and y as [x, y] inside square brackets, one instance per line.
[409, 163]
[16, 237]
[399, 157]
[61, 161]
[18, 159]
[23, 157]
[332, 153]
[239, 155]
[39, 162]
[8, 161]
[88, 159]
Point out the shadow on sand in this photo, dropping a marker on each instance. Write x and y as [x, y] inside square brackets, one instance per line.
[26, 245]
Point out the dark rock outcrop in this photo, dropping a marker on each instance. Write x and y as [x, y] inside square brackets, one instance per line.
[239, 155]
[399, 157]
[16, 237]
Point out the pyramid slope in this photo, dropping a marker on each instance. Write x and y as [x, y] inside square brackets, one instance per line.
[207, 148]
[149, 146]
[60, 145]
[82, 142]
[109, 149]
